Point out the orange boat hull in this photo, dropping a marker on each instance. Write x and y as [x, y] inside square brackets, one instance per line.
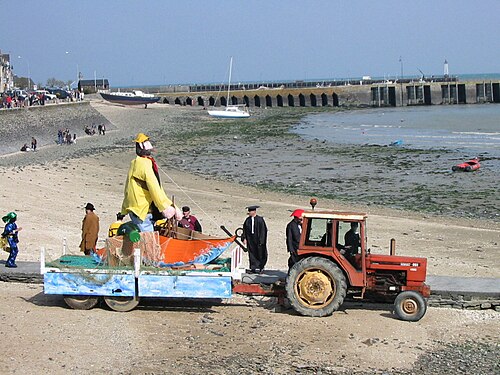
[163, 251]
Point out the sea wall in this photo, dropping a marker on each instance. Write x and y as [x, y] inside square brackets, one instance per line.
[17, 126]
[391, 94]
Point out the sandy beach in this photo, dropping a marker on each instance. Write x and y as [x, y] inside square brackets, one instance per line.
[49, 188]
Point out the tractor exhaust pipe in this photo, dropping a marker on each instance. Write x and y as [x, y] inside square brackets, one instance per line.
[393, 247]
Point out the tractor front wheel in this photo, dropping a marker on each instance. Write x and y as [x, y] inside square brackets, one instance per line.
[410, 306]
[316, 286]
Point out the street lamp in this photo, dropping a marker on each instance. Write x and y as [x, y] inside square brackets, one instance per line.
[77, 71]
[401, 78]
[29, 74]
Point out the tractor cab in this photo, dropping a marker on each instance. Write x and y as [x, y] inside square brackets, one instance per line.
[337, 235]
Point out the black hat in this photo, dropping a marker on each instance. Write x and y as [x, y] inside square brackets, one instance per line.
[252, 208]
[185, 209]
[90, 206]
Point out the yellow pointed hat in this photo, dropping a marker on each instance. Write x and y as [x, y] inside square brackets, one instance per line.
[141, 137]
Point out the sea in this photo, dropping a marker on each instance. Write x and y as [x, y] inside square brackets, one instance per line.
[473, 130]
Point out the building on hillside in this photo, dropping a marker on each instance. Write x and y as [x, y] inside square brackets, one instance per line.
[91, 86]
[6, 77]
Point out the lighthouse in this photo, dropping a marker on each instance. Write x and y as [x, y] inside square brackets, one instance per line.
[446, 72]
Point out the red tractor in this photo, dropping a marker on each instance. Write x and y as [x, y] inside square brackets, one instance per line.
[334, 260]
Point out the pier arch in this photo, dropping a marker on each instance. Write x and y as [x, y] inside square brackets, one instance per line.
[335, 98]
[279, 101]
[291, 100]
[269, 101]
[312, 99]
[302, 100]
[256, 100]
[324, 100]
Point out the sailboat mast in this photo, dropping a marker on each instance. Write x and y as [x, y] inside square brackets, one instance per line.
[229, 84]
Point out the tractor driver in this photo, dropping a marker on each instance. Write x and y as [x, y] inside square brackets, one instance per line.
[351, 240]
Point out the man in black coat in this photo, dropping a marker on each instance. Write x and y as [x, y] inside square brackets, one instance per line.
[293, 233]
[255, 238]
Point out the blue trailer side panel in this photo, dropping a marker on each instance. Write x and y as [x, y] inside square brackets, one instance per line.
[89, 284]
[185, 286]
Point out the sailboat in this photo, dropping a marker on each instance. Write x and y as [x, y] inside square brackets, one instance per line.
[231, 110]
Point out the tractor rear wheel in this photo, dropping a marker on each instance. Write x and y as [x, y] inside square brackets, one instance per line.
[410, 306]
[316, 286]
[121, 304]
[81, 302]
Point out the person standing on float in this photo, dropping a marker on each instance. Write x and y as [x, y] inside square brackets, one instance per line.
[145, 200]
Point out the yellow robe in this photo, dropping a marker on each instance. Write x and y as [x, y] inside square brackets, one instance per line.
[142, 188]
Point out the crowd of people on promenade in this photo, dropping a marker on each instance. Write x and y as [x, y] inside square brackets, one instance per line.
[91, 130]
[64, 137]
[16, 99]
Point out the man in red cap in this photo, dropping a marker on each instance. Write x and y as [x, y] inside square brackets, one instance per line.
[293, 233]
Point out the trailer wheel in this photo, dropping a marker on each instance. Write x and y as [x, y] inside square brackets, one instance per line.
[410, 306]
[81, 302]
[316, 287]
[121, 304]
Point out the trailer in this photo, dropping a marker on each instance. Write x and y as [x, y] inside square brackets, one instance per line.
[83, 283]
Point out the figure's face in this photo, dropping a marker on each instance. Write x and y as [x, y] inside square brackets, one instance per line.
[252, 213]
[186, 213]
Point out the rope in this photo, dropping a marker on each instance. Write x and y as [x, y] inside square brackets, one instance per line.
[191, 199]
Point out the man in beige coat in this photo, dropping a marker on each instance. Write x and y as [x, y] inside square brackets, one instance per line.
[90, 230]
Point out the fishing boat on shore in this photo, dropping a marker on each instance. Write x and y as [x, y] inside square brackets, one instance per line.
[135, 97]
[231, 110]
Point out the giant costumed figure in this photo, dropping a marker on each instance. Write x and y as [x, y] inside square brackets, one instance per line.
[145, 200]
[10, 232]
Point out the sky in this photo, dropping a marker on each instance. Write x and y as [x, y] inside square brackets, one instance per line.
[188, 42]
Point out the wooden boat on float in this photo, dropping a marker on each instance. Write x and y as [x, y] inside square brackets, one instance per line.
[179, 248]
